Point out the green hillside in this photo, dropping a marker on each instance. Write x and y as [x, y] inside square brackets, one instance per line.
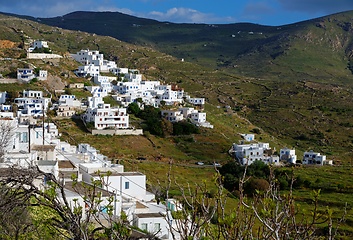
[292, 84]
[292, 81]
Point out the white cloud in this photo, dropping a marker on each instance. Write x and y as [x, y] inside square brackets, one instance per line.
[53, 8]
[186, 15]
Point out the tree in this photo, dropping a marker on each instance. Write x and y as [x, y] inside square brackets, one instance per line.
[15, 219]
[267, 214]
[7, 131]
[133, 108]
[195, 211]
[86, 216]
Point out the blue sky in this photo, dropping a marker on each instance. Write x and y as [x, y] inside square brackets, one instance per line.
[266, 12]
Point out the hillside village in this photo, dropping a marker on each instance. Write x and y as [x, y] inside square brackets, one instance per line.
[30, 141]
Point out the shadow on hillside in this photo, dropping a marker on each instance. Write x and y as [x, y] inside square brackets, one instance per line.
[79, 123]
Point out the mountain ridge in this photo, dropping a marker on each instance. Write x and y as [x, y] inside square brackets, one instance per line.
[220, 46]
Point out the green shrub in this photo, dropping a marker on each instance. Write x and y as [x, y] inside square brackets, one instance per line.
[184, 128]
[256, 184]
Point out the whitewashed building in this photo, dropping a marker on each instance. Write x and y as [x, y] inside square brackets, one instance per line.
[172, 115]
[288, 155]
[248, 137]
[69, 100]
[313, 158]
[43, 75]
[249, 153]
[32, 94]
[38, 44]
[196, 101]
[93, 63]
[87, 70]
[104, 117]
[25, 74]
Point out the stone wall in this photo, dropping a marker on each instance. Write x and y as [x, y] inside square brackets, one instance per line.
[117, 132]
[42, 56]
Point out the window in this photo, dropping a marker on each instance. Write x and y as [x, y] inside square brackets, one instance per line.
[157, 227]
[23, 137]
[144, 226]
[127, 185]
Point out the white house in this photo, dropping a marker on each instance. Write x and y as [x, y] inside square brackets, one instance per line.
[86, 57]
[248, 137]
[87, 70]
[69, 100]
[105, 117]
[119, 71]
[43, 75]
[74, 194]
[153, 223]
[65, 111]
[198, 117]
[40, 44]
[103, 79]
[22, 148]
[172, 115]
[93, 63]
[31, 109]
[5, 108]
[25, 74]
[148, 85]
[249, 153]
[314, 158]
[32, 94]
[94, 102]
[98, 91]
[92, 154]
[32, 106]
[288, 155]
[196, 101]
[186, 111]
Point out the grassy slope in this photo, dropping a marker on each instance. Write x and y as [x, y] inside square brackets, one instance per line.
[287, 110]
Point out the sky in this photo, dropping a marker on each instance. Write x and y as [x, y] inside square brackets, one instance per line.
[265, 12]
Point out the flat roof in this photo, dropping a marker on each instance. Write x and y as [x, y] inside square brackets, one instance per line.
[44, 148]
[120, 174]
[140, 205]
[66, 164]
[82, 190]
[46, 163]
[149, 215]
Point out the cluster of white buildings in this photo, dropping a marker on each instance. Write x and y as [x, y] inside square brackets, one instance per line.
[129, 86]
[32, 144]
[92, 63]
[31, 104]
[247, 154]
[27, 74]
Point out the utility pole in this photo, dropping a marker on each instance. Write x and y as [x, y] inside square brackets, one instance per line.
[43, 120]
